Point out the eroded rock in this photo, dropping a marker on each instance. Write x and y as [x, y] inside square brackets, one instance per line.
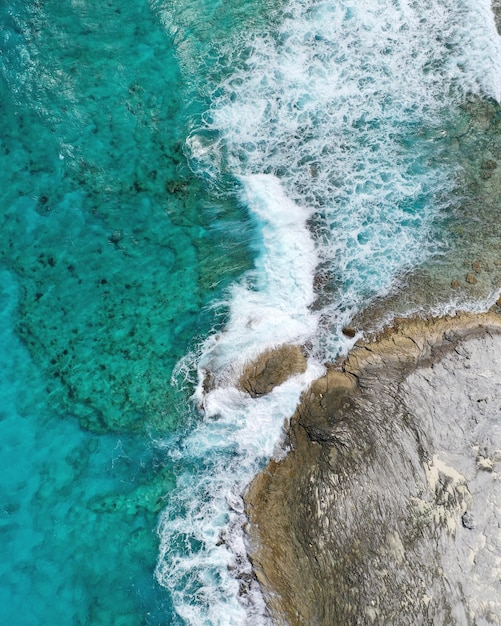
[381, 512]
[271, 368]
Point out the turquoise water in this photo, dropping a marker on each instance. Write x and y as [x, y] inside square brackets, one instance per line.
[77, 509]
[183, 185]
[109, 251]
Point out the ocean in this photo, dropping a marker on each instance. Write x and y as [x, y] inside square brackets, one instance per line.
[184, 185]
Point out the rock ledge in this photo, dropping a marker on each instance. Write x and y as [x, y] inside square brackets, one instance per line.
[387, 509]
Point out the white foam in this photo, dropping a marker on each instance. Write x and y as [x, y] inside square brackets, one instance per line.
[271, 306]
[483, 58]
[348, 104]
[200, 531]
[336, 116]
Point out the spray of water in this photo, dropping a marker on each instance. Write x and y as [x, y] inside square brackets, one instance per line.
[330, 122]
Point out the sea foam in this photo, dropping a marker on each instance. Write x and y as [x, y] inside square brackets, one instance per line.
[352, 106]
[201, 529]
[333, 122]
[271, 306]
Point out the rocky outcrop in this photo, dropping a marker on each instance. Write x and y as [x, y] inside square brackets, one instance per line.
[271, 368]
[387, 508]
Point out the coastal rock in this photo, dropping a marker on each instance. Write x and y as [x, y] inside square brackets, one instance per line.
[381, 513]
[349, 332]
[272, 368]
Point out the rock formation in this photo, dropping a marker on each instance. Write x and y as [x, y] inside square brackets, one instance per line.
[387, 508]
[272, 368]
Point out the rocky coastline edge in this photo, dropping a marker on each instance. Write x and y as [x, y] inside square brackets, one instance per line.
[387, 507]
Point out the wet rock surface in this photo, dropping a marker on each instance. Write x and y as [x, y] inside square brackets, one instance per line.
[496, 7]
[387, 508]
[272, 368]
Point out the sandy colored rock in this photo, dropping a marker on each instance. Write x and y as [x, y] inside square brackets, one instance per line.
[471, 279]
[272, 368]
[387, 508]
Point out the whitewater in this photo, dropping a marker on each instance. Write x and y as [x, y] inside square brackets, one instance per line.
[330, 121]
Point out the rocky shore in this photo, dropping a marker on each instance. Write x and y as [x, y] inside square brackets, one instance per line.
[387, 508]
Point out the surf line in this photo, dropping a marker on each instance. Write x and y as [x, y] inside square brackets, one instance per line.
[202, 542]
